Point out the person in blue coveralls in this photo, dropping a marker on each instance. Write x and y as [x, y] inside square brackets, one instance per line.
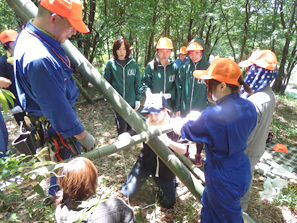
[224, 129]
[182, 57]
[123, 74]
[42, 70]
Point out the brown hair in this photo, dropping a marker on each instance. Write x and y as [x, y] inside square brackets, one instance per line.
[211, 84]
[117, 44]
[78, 180]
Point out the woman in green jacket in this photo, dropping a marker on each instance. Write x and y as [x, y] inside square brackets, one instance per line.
[123, 74]
[191, 92]
[160, 73]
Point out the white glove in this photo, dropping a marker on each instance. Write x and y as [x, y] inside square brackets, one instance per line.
[88, 143]
[167, 96]
[137, 105]
[164, 138]
[177, 124]
[17, 109]
[124, 135]
[192, 116]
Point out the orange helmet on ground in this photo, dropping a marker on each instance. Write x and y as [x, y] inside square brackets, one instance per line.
[164, 43]
[8, 36]
[183, 50]
[194, 46]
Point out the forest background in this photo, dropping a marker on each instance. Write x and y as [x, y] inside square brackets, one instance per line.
[230, 28]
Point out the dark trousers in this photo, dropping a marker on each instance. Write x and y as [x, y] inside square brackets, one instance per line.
[137, 178]
[122, 125]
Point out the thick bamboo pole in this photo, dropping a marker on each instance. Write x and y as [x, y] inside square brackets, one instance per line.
[119, 104]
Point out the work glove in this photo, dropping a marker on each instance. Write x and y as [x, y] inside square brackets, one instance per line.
[17, 109]
[137, 105]
[124, 135]
[164, 138]
[88, 143]
[167, 96]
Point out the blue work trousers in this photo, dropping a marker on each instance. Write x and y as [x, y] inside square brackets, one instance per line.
[224, 188]
[137, 178]
[3, 136]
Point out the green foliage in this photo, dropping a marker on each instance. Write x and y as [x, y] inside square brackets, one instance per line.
[288, 197]
[6, 95]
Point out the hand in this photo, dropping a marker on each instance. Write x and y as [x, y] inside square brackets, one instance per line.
[137, 105]
[167, 96]
[17, 109]
[177, 114]
[177, 124]
[164, 138]
[4, 82]
[124, 135]
[88, 142]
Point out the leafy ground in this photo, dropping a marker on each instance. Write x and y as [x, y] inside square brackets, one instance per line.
[99, 121]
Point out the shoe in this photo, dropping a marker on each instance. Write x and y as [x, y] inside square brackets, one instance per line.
[187, 154]
[198, 160]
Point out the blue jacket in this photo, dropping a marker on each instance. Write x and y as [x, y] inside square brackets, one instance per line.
[224, 128]
[43, 79]
[179, 63]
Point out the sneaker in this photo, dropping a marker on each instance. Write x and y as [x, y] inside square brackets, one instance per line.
[187, 154]
[198, 160]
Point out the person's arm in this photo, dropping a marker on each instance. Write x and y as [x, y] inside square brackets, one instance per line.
[107, 73]
[48, 87]
[137, 84]
[178, 84]
[177, 147]
[146, 80]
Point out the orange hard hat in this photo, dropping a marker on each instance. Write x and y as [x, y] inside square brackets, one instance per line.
[194, 46]
[8, 36]
[164, 43]
[183, 50]
[281, 148]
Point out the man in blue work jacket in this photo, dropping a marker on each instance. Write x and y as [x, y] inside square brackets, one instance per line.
[43, 76]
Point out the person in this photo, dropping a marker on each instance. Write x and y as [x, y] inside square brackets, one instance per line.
[77, 200]
[148, 163]
[44, 83]
[224, 130]
[8, 37]
[160, 73]
[123, 74]
[262, 71]
[182, 57]
[191, 92]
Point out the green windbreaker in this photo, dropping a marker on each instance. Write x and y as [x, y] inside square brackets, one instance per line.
[125, 80]
[191, 92]
[161, 80]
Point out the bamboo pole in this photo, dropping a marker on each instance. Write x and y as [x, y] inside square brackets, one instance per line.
[119, 104]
